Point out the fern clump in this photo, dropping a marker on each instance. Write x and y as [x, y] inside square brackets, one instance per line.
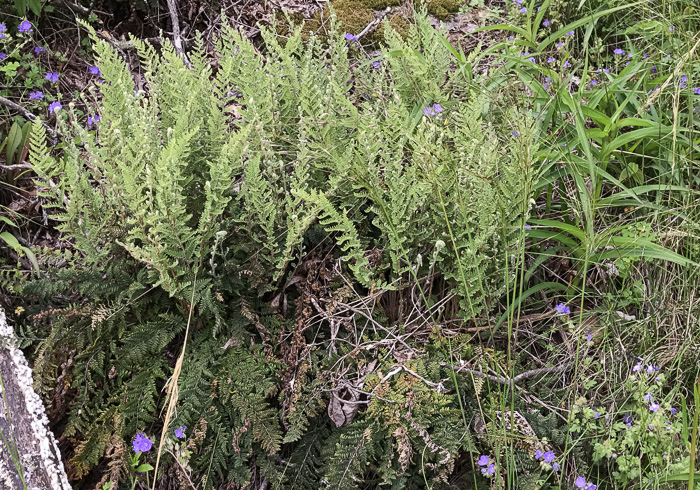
[261, 194]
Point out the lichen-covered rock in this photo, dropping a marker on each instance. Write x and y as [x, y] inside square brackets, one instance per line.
[32, 450]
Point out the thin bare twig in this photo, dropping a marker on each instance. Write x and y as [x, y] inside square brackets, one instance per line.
[506, 381]
[28, 115]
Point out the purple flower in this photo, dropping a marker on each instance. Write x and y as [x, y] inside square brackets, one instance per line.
[594, 82]
[627, 419]
[489, 470]
[566, 64]
[142, 443]
[560, 45]
[648, 397]
[589, 337]
[562, 309]
[531, 59]
[38, 50]
[595, 414]
[650, 369]
[671, 28]
[673, 411]
[591, 487]
[556, 467]
[2, 56]
[25, 26]
[550, 60]
[619, 51]
[697, 91]
[684, 79]
[350, 37]
[179, 433]
[55, 107]
[427, 111]
[538, 454]
[528, 227]
[52, 76]
[511, 38]
[645, 55]
[437, 108]
[637, 367]
[570, 33]
[653, 407]
[95, 70]
[523, 10]
[375, 65]
[547, 23]
[519, 2]
[580, 482]
[3, 27]
[653, 68]
[515, 133]
[483, 460]
[549, 457]
[38, 95]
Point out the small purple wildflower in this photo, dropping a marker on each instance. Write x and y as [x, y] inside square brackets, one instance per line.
[684, 80]
[3, 27]
[562, 309]
[25, 26]
[52, 76]
[38, 50]
[650, 369]
[619, 51]
[519, 2]
[673, 411]
[648, 397]
[645, 55]
[566, 64]
[560, 45]
[539, 454]
[528, 227]
[547, 81]
[376, 65]
[589, 337]
[595, 414]
[437, 108]
[142, 443]
[55, 107]
[2, 56]
[94, 70]
[547, 23]
[483, 460]
[556, 467]
[594, 82]
[580, 482]
[570, 33]
[350, 37]
[697, 91]
[591, 486]
[38, 95]
[549, 457]
[550, 60]
[179, 432]
[637, 367]
[511, 38]
[489, 470]
[627, 419]
[2, 36]
[654, 407]
[523, 10]
[515, 133]
[531, 59]
[671, 28]
[653, 68]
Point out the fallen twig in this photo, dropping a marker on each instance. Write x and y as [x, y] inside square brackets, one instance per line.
[506, 381]
[28, 115]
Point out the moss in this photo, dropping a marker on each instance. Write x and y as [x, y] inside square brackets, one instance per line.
[353, 16]
[399, 24]
[441, 9]
[381, 4]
